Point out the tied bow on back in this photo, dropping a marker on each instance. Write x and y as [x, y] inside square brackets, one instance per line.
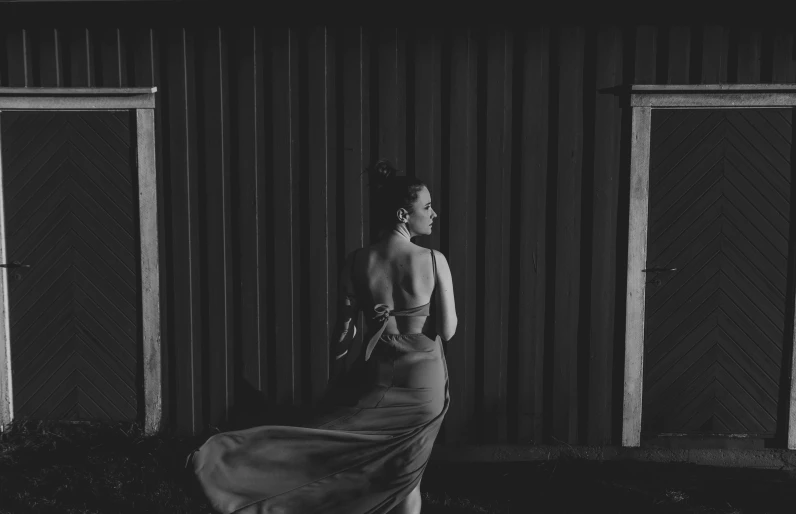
[382, 312]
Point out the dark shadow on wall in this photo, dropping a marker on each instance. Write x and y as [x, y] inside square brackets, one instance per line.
[587, 256]
[252, 408]
[513, 355]
[623, 210]
[481, 39]
[550, 236]
[783, 400]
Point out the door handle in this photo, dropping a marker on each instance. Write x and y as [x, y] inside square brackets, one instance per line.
[657, 270]
[15, 264]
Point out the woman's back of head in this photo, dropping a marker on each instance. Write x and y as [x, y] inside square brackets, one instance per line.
[390, 192]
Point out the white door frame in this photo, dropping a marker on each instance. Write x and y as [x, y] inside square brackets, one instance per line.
[643, 100]
[142, 101]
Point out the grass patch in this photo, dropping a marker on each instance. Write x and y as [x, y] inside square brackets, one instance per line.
[94, 468]
[580, 486]
[90, 468]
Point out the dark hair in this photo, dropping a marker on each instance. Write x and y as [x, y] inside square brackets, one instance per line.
[390, 192]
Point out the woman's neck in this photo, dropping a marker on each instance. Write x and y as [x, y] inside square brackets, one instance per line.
[400, 232]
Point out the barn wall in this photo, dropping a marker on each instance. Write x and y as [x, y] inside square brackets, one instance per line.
[522, 135]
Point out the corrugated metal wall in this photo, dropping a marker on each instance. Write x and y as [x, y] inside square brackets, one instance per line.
[263, 135]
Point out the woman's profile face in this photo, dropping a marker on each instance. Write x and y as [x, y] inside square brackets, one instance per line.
[422, 216]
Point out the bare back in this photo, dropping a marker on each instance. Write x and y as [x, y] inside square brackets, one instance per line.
[399, 275]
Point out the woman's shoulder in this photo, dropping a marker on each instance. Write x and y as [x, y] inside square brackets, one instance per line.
[413, 251]
[429, 252]
[426, 259]
[423, 253]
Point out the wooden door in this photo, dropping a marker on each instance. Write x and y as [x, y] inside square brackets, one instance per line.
[719, 212]
[72, 216]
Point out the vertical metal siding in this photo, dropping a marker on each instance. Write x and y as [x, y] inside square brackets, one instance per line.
[262, 138]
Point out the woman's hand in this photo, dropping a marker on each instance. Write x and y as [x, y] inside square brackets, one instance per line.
[347, 311]
[347, 335]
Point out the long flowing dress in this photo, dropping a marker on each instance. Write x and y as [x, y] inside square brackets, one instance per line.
[362, 455]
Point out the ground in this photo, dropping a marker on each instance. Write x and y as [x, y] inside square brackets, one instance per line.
[108, 469]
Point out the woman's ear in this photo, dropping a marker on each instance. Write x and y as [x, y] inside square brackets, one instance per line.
[403, 215]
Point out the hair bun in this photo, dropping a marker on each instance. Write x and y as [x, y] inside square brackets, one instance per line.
[382, 171]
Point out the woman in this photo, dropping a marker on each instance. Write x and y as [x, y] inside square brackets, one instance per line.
[367, 451]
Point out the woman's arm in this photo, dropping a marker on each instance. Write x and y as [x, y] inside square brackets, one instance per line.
[446, 305]
[347, 310]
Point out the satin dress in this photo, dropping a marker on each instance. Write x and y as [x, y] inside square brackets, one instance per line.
[362, 454]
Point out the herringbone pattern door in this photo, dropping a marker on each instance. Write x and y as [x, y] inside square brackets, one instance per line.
[719, 212]
[71, 215]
